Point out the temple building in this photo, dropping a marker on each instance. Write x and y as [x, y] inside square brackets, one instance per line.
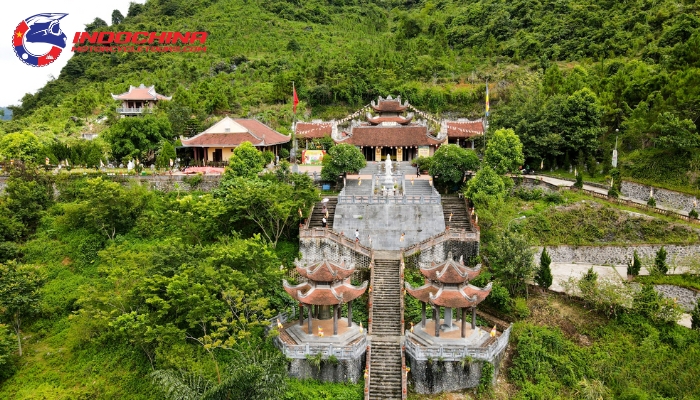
[216, 144]
[446, 285]
[390, 127]
[138, 100]
[325, 287]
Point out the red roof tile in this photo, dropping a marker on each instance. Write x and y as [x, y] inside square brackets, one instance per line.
[140, 93]
[465, 129]
[311, 130]
[325, 271]
[451, 271]
[459, 297]
[325, 295]
[422, 293]
[232, 132]
[388, 136]
[393, 106]
[398, 120]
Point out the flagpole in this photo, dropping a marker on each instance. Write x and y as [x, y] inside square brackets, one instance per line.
[486, 114]
[294, 126]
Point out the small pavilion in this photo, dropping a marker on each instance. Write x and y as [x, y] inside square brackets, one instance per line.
[328, 284]
[138, 99]
[447, 285]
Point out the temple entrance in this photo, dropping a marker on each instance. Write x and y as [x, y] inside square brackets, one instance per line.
[409, 153]
[217, 155]
[388, 151]
[368, 152]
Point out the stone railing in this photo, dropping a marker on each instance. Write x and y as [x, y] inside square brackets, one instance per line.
[457, 353]
[463, 236]
[404, 374]
[127, 110]
[368, 355]
[324, 233]
[403, 199]
[327, 349]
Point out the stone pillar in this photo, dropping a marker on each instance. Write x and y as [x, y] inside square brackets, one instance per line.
[349, 314]
[309, 321]
[422, 313]
[473, 317]
[377, 153]
[301, 314]
[436, 312]
[336, 310]
[464, 323]
[448, 316]
[472, 144]
[324, 312]
[399, 154]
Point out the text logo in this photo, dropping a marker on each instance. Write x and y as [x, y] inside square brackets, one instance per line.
[139, 42]
[39, 40]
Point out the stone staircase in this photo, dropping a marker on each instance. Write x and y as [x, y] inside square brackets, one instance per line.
[386, 330]
[418, 188]
[317, 215]
[460, 217]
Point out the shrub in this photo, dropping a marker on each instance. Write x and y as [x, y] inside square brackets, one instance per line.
[693, 214]
[579, 181]
[651, 202]
[284, 154]
[543, 277]
[612, 192]
[695, 316]
[499, 298]
[520, 308]
[634, 267]
[554, 198]
[486, 379]
[193, 180]
[660, 264]
[268, 156]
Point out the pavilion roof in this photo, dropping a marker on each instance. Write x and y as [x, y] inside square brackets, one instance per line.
[465, 129]
[398, 119]
[451, 271]
[311, 130]
[392, 136]
[389, 105]
[422, 293]
[141, 92]
[325, 271]
[459, 296]
[231, 132]
[323, 294]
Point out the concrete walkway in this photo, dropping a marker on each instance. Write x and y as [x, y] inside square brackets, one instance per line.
[568, 184]
[561, 272]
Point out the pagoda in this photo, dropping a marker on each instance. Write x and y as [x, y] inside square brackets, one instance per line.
[447, 285]
[328, 284]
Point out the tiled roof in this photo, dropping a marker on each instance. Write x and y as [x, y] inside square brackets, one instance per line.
[388, 136]
[393, 106]
[311, 130]
[325, 271]
[458, 297]
[232, 132]
[451, 271]
[422, 293]
[140, 93]
[325, 295]
[398, 120]
[465, 129]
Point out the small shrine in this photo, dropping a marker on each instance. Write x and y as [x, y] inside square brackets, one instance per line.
[138, 100]
[461, 347]
[327, 287]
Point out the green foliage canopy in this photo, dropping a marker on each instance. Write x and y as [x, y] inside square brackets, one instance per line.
[341, 159]
[504, 152]
[450, 163]
[138, 137]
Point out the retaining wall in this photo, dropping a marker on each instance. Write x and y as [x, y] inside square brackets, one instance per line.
[339, 372]
[678, 255]
[666, 198]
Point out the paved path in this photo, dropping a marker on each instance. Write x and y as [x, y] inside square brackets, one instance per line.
[561, 272]
[568, 184]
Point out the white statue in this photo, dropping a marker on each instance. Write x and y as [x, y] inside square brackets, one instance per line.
[130, 165]
[387, 171]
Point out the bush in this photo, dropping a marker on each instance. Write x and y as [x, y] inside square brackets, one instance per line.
[660, 265]
[423, 163]
[693, 214]
[634, 267]
[486, 379]
[520, 308]
[528, 195]
[284, 154]
[268, 156]
[612, 192]
[579, 181]
[651, 202]
[543, 277]
[695, 316]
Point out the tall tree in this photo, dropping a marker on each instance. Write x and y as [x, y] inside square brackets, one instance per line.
[504, 151]
[451, 162]
[246, 161]
[19, 295]
[117, 17]
[340, 159]
[512, 262]
[138, 137]
[543, 278]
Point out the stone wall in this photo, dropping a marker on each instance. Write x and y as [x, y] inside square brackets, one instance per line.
[435, 376]
[318, 249]
[686, 298]
[439, 253]
[341, 371]
[663, 197]
[168, 183]
[678, 255]
[531, 184]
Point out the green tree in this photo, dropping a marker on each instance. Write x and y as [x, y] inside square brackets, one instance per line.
[138, 137]
[246, 161]
[581, 117]
[96, 25]
[486, 186]
[272, 206]
[341, 159]
[660, 264]
[677, 135]
[7, 347]
[543, 277]
[28, 194]
[117, 17]
[512, 263]
[19, 295]
[451, 162]
[23, 146]
[504, 151]
[166, 153]
[636, 265]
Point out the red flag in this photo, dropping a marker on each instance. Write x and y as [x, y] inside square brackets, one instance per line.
[296, 98]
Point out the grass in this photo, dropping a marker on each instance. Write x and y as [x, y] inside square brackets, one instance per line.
[684, 280]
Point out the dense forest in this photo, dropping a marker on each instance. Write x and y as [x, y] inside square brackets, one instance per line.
[570, 77]
[110, 290]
